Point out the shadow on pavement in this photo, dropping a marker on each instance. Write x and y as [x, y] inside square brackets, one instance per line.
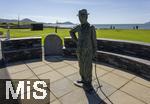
[93, 97]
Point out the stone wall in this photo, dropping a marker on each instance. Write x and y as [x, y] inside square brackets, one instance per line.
[68, 43]
[123, 54]
[1, 61]
[138, 66]
[135, 49]
[20, 49]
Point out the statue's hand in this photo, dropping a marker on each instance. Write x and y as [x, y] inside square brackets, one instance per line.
[73, 33]
[75, 29]
[94, 55]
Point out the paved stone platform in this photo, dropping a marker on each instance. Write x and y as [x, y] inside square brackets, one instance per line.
[120, 86]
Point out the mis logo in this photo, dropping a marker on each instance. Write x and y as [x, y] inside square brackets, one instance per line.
[25, 91]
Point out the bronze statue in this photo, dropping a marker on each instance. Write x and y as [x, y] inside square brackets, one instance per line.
[86, 49]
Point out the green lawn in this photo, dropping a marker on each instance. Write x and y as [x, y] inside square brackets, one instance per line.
[132, 35]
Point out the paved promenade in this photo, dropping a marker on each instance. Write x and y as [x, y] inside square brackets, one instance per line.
[121, 87]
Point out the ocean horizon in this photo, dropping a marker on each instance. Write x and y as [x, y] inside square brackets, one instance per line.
[108, 26]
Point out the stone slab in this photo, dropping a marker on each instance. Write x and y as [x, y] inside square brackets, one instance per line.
[62, 87]
[68, 70]
[52, 75]
[56, 102]
[138, 91]
[142, 81]
[57, 65]
[120, 97]
[33, 64]
[22, 75]
[53, 45]
[124, 74]
[99, 72]
[106, 88]
[76, 97]
[42, 69]
[114, 80]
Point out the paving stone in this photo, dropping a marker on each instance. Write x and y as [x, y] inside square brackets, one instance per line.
[108, 68]
[62, 87]
[74, 77]
[52, 97]
[106, 88]
[135, 92]
[71, 62]
[57, 65]
[68, 70]
[16, 68]
[114, 80]
[33, 64]
[56, 102]
[4, 74]
[124, 74]
[79, 96]
[76, 65]
[52, 75]
[42, 69]
[76, 97]
[22, 75]
[99, 71]
[138, 91]
[142, 81]
[120, 97]
[33, 77]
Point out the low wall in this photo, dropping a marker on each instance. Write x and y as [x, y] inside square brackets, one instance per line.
[118, 53]
[138, 66]
[20, 49]
[135, 49]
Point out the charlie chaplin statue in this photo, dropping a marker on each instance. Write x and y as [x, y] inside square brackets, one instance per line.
[86, 49]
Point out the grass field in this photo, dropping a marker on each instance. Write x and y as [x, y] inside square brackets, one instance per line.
[132, 35]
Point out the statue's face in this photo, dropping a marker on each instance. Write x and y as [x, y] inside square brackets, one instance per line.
[83, 18]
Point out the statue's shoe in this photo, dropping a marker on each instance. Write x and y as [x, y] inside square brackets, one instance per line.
[78, 83]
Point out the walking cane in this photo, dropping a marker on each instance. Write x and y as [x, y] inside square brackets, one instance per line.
[99, 85]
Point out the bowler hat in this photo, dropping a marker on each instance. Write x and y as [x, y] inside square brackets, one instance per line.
[82, 11]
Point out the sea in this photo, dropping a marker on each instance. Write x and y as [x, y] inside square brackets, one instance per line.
[108, 26]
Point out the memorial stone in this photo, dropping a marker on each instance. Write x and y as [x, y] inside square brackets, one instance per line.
[53, 45]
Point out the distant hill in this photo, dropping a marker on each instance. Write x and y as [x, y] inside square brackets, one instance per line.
[66, 23]
[7, 20]
[147, 23]
[15, 20]
[27, 20]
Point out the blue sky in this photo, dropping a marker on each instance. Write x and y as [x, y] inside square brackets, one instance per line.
[101, 11]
